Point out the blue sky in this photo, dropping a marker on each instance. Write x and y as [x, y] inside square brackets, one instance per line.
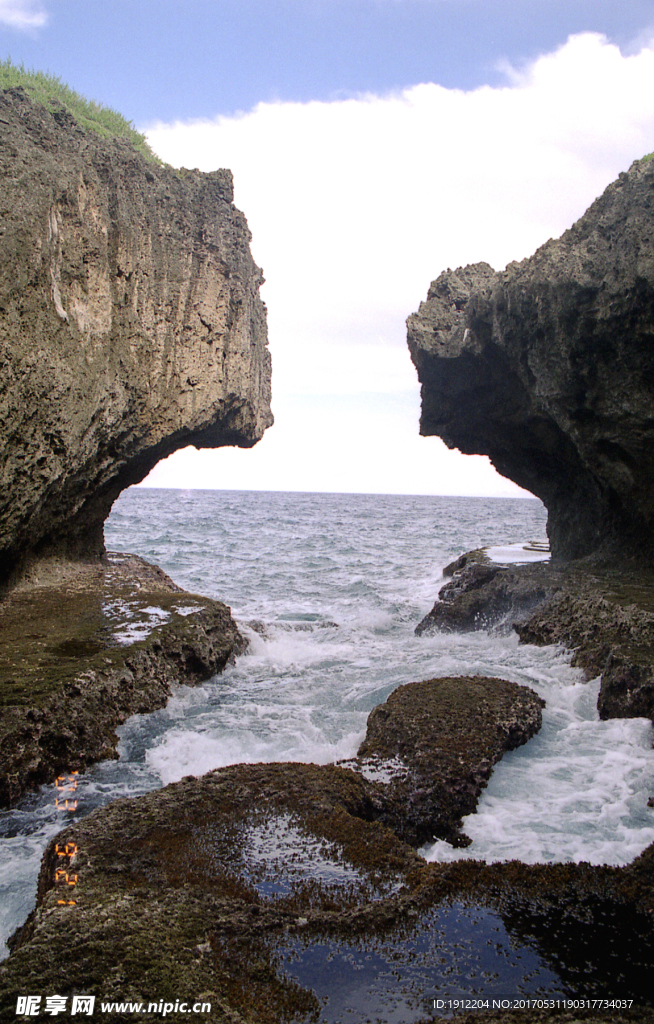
[170, 59]
[374, 143]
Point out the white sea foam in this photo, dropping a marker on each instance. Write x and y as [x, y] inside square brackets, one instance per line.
[20, 860]
[185, 752]
[290, 854]
[377, 769]
[128, 626]
[372, 565]
[186, 609]
[577, 791]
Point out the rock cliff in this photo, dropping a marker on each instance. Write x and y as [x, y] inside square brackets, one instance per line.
[130, 326]
[548, 368]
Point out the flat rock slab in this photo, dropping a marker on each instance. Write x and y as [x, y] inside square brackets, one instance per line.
[177, 891]
[435, 743]
[83, 647]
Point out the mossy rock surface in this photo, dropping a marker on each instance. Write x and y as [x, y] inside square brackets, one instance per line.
[440, 739]
[217, 888]
[83, 647]
[194, 887]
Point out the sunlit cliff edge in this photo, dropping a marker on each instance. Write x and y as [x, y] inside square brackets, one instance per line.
[130, 326]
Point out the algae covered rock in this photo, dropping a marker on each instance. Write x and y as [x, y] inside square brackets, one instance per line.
[83, 647]
[282, 892]
[178, 894]
[267, 892]
[438, 741]
[130, 326]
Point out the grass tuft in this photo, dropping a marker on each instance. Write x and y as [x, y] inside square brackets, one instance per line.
[50, 90]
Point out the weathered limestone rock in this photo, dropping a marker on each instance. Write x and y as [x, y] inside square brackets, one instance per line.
[130, 326]
[83, 647]
[548, 368]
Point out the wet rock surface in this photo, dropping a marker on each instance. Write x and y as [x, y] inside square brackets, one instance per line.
[603, 614]
[131, 326]
[253, 849]
[480, 594]
[547, 368]
[83, 647]
[270, 892]
[289, 892]
[438, 741]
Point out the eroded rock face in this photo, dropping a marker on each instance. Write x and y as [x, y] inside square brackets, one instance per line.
[548, 369]
[130, 326]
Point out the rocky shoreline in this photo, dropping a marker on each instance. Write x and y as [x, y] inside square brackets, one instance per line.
[132, 327]
[602, 613]
[84, 646]
[220, 886]
[234, 887]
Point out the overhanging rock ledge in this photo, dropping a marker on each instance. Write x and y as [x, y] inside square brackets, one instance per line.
[130, 326]
[548, 368]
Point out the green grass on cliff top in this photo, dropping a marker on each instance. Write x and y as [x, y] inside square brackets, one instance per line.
[49, 90]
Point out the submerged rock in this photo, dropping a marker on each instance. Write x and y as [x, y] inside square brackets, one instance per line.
[131, 326]
[547, 368]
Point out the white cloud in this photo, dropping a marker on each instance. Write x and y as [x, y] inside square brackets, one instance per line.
[356, 205]
[24, 15]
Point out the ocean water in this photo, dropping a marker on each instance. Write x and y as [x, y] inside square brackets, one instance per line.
[328, 589]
